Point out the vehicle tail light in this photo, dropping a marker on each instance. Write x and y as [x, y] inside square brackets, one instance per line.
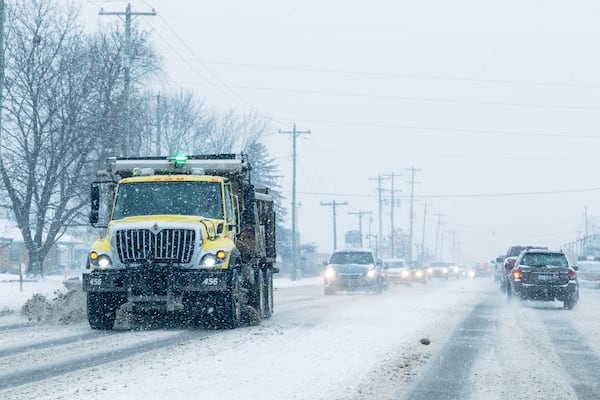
[572, 274]
[517, 274]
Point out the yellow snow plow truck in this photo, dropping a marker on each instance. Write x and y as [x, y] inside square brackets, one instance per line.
[184, 234]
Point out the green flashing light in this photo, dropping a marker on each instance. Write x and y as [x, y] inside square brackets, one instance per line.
[179, 160]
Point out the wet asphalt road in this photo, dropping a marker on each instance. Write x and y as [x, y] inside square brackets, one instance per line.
[551, 359]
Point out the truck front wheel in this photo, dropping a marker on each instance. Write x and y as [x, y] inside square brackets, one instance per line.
[102, 309]
[232, 303]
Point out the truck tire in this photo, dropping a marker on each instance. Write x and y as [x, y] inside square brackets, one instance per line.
[102, 310]
[268, 293]
[230, 313]
[259, 293]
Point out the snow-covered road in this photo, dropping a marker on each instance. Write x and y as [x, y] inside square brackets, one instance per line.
[349, 346]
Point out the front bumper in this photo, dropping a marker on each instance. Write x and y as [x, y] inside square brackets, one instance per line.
[351, 282]
[399, 280]
[145, 281]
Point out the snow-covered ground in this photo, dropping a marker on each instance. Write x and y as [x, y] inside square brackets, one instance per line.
[349, 347]
[314, 347]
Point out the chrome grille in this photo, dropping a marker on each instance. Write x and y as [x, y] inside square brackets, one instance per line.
[170, 246]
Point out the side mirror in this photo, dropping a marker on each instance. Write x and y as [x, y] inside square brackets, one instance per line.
[575, 267]
[95, 204]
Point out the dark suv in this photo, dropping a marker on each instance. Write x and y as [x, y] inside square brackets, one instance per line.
[353, 269]
[543, 275]
[509, 262]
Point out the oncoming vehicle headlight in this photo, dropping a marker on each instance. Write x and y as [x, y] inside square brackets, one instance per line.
[404, 274]
[100, 260]
[329, 273]
[371, 273]
[445, 271]
[419, 274]
[213, 259]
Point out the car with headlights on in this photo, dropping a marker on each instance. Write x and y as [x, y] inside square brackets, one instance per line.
[543, 275]
[353, 269]
[439, 269]
[417, 272]
[397, 271]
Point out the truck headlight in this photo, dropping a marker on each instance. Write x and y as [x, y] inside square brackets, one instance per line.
[208, 260]
[100, 260]
[404, 274]
[212, 259]
[371, 273]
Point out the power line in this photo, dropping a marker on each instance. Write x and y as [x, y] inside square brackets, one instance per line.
[423, 99]
[459, 195]
[453, 130]
[232, 95]
[416, 99]
[444, 35]
[410, 76]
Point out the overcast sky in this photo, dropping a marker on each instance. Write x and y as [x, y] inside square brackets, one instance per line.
[495, 105]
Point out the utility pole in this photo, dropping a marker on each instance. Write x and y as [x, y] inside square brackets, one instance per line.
[127, 66]
[360, 215]
[392, 206]
[158, 127]
[334, 204]
[412, 198]
[294, 133]
[437, 233]
[586, 224]
[422, 258]
[453, 246]
[379, 191]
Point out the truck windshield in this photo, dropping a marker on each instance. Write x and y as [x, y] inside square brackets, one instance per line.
[168, 197]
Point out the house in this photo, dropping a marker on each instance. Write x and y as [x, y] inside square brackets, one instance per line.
[67, 254]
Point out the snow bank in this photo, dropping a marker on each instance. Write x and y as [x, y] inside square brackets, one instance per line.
[48, 300]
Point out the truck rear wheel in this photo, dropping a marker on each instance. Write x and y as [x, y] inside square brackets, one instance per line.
[268, 284]
[260, 294]
[102, 309]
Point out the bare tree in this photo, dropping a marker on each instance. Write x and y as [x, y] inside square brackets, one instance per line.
[174, 120]
[229, 132]
[43, 152]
